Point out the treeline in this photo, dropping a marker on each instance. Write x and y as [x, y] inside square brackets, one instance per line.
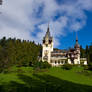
[87, 52]
[17, 52]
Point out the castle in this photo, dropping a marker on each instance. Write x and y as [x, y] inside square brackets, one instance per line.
[57, 57]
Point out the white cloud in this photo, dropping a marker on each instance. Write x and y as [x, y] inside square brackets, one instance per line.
[22, 18]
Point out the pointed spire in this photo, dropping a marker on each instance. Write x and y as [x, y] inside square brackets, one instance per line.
[76, 37]
[48, 28]
[48, 32]
[77, 44]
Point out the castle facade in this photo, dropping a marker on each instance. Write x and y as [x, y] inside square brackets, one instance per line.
[57, 57]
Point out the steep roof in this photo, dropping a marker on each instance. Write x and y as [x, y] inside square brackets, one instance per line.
[47, 35]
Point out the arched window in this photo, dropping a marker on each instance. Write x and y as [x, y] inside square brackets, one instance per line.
[61, 62]
[55, 62]
[58, 62]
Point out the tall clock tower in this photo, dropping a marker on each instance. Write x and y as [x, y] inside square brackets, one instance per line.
[47, 46]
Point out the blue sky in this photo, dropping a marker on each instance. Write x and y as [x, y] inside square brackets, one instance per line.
[84, 35]
[28, 19]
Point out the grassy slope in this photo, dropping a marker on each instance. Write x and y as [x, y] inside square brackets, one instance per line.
[75, 75]
[55, 80]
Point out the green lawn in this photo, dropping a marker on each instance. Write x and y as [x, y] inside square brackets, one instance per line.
[25, 79]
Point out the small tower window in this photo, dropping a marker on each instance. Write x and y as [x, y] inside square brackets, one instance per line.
[46, 45]
[50, 41]
[43, 41]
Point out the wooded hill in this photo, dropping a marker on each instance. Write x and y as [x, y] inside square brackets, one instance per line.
[17, 52]
[87, 53]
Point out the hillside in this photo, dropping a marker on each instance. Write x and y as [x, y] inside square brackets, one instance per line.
[25, 79]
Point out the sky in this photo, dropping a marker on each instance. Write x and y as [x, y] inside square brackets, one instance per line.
[28, 20]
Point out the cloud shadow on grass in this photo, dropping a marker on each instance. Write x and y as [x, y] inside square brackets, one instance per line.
[43, 83]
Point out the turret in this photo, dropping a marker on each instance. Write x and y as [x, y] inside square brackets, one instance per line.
[77, 49]
[77, 44]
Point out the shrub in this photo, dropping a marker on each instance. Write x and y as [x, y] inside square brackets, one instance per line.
[90, 66]
[41, 65]
[46, 65]
[67, 66]
[86, 67]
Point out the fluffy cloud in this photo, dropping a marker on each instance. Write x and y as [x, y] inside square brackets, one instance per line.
[28, 19]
